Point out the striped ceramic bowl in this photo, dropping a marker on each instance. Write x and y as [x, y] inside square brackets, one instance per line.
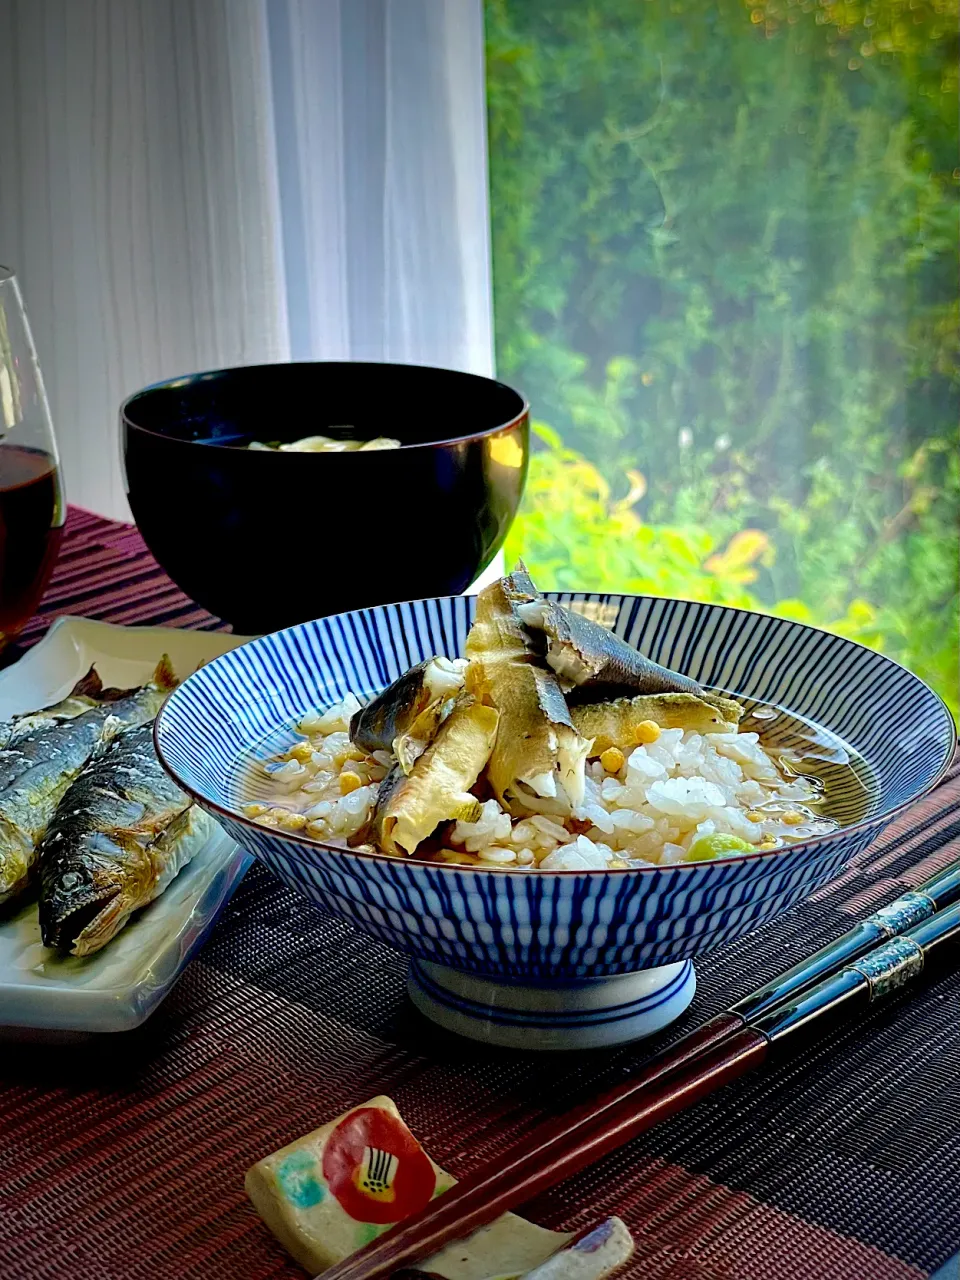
[564, 957]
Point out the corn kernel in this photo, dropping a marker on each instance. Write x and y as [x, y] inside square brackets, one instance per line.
[754, 816]
[254, 810]
[791, 818]
[349, 782]
[612, 759]
[617, 864]
[350, 753]
[293, 822]
[647, 731]
[303, 751]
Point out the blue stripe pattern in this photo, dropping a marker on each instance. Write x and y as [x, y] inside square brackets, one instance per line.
[556, 925]
[553, 1019]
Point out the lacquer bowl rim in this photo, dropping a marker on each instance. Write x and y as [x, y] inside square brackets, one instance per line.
[183, 380]
[297, 842]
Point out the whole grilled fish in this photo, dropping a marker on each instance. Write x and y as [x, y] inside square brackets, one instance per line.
[120, 834]
[590, 661]
[38, 764]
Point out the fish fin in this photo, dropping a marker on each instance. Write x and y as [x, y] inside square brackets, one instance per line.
[115, 695]
[151, 829]
[165, 677]
[88, 686]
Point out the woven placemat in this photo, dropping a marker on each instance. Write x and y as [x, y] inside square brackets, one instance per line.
[125, 1158]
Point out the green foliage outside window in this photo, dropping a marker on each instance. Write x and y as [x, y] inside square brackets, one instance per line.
[725, 270]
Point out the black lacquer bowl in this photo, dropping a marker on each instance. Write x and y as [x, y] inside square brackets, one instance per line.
[265, 540]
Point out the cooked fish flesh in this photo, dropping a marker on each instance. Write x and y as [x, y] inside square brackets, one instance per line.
[614, 724]
[38, 765]
[537, 764]
[120, 834]
[405, 717]
[437, 789]
[590, 661]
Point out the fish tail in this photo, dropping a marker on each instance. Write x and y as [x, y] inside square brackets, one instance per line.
[519, 584]
[88, 686]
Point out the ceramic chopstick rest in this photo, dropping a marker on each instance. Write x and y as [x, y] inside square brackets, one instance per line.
[334, 1190]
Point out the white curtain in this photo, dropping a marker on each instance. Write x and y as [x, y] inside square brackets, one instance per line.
[191, 184]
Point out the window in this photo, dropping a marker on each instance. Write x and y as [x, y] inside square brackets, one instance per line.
[725, 275]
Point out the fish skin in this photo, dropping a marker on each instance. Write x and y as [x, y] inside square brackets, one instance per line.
[121, 832]
[613, 724]
[84, 695]
[596, 663]
[37, 767]
[392, 712]
[403, 718]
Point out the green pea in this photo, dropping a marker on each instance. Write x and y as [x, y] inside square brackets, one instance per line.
[717, 846]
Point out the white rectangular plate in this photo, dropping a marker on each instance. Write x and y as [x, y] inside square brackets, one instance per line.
[120, 986]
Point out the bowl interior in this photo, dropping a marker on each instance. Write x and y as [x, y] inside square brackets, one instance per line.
[243, 704]
[412, 403]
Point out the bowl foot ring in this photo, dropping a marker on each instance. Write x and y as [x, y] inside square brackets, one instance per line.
[588, 1014]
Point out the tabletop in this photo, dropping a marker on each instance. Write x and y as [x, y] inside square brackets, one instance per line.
[124, 1157]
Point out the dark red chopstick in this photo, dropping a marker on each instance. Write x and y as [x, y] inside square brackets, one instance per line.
[543, 1159]
[711, 1057]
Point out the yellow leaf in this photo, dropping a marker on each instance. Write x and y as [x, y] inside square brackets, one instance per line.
[743, 549]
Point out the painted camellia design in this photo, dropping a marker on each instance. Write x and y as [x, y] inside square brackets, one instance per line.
[376, 1169]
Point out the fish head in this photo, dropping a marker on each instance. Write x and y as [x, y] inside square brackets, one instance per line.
[77, 896]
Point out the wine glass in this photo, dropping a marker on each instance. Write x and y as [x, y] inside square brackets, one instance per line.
[32, 509]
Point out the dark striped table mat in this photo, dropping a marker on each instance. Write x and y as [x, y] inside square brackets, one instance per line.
[106, 572]
[125, 1158]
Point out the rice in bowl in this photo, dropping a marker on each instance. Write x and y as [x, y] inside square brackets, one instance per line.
[672, 798]
[552, 745]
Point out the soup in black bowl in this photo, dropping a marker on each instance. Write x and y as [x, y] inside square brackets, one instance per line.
[266, 538]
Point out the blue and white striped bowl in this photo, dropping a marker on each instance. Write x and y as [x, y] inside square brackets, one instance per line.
[561, 929]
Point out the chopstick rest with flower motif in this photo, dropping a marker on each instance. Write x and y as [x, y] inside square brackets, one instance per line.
[335, 1190]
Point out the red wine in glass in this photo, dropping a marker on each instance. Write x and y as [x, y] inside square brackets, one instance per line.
[31, 526]
[31, 495]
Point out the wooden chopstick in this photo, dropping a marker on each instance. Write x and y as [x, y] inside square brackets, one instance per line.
[730, 1045]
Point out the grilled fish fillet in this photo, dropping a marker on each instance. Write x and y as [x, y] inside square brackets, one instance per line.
[537, 763]
[614, 724]
[438, 787]
[590, 661]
